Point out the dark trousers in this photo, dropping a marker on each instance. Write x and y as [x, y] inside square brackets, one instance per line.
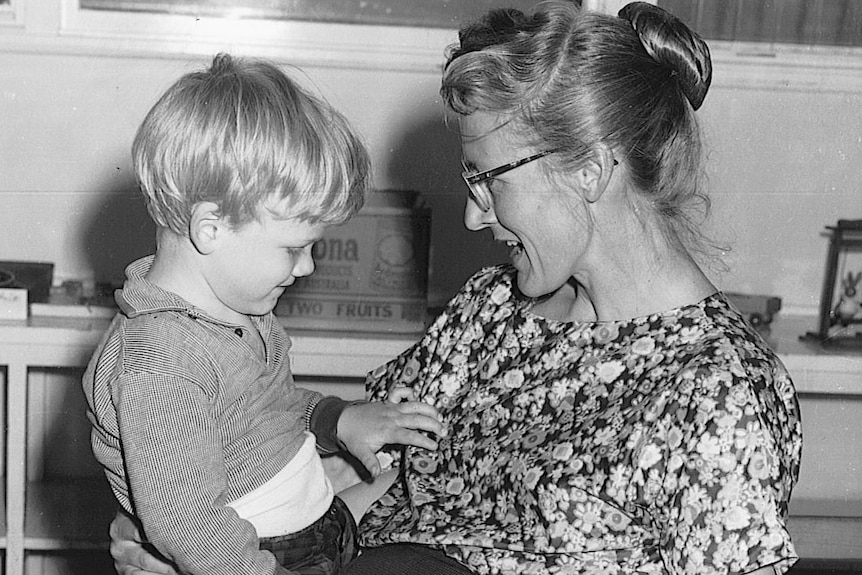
[405, 559]
[323, 548]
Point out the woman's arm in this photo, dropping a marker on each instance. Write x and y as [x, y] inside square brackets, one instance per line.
[735, 466]
[130, 554]
[359, 497]
[132, 557]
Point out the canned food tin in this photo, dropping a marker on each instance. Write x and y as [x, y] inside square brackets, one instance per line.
[371, 274]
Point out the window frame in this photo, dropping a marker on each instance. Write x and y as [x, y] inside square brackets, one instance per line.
[746, 11]
[12, 13]
[61, 26]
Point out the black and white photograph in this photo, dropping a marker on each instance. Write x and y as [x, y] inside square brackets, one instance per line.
[430, 287]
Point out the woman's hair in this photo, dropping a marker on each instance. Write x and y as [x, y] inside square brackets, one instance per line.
[242, 133]
[570, 79]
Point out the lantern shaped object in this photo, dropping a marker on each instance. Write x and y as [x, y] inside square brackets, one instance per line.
[841, 297]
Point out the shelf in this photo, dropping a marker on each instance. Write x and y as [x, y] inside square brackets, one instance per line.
[815, 369]
[69, 342]
[809, 566]
[48, 341]
[827, 537]
[826, 529]
[66, 514]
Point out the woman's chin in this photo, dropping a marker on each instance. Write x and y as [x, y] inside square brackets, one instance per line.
[533, 286]
[527, 287]
[529, 283]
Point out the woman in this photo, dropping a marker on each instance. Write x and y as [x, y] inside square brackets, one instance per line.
[608, 411]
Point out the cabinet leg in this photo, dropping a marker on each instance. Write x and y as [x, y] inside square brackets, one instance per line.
[16, 467]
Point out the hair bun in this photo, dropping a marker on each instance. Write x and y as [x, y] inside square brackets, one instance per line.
[671, 43]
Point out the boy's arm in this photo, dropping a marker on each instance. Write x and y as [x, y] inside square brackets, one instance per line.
[321, 419]
[365, 427]
[362, 428]
[175, 469]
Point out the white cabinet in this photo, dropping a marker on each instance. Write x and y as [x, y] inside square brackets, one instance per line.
[57, 505]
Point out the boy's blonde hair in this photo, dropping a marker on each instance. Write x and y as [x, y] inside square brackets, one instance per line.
[242, 133]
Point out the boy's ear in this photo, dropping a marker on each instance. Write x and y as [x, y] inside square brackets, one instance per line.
[593, 176]
[205, 226]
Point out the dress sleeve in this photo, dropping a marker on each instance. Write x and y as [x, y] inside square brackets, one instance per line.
[177, 481]
[422, 363]
[726, 487]
[419, 363]
[404, 370]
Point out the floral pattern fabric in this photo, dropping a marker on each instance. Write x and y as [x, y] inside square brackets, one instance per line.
[664, 444]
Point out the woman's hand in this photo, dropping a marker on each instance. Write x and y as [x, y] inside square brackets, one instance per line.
[130, 555]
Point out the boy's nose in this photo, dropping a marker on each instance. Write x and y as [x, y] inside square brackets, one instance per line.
[305, 265]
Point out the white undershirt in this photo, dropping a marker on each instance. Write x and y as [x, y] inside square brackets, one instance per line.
[293, 499]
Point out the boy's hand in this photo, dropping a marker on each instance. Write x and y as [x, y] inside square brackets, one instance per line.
[364, 428]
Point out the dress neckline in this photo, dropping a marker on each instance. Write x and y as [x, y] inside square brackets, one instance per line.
[524, 307]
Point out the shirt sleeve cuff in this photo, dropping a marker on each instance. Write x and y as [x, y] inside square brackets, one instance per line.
[322, 418]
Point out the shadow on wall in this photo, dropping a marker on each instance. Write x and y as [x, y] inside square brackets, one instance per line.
[426, 158]
[118, 231]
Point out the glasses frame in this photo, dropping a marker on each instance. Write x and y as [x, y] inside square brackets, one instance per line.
[480, 194]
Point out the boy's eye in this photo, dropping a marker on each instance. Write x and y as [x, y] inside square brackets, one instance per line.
[299, 249]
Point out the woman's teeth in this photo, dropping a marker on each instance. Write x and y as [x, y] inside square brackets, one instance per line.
[515, 249]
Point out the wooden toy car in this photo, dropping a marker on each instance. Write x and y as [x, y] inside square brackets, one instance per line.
[757, 309]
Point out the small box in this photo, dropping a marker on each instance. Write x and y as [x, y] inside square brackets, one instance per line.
[35, 277]
[13, 304]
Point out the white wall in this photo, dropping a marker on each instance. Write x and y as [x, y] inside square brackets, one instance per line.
[785, 138]
[784, 163]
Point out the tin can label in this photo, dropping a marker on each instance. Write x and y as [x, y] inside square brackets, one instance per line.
[370, 274]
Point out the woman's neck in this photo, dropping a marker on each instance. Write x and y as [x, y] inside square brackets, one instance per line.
[628, 283]
[639, 284]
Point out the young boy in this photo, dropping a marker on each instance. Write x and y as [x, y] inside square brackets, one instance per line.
[202, 433]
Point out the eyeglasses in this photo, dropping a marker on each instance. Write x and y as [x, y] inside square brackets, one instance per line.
[479, 190]
[477, 182]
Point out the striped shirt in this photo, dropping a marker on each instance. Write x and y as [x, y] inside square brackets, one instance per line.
[188, 417]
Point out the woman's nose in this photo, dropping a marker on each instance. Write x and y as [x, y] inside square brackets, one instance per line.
[475, 219]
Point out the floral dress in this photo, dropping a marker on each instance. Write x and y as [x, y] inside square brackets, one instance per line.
[665, 444]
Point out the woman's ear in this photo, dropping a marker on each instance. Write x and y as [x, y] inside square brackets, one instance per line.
[595, 174]
[206, 226]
